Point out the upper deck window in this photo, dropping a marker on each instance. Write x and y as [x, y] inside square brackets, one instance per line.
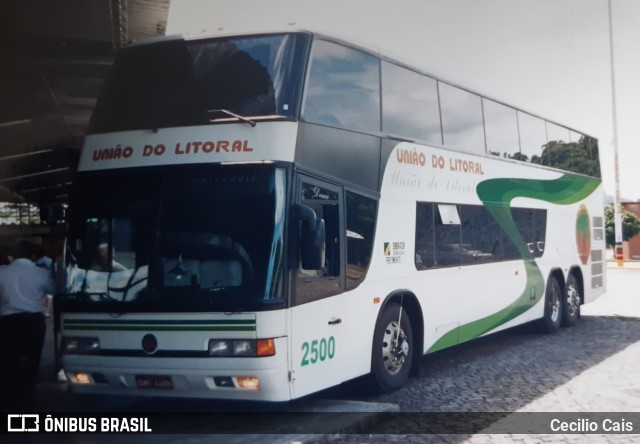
[343, 89]
[185, 83]
[410, 104]
[533, 138]
[462, 123]
[501, 129]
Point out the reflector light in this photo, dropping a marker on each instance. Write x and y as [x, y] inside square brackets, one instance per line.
[266, 347]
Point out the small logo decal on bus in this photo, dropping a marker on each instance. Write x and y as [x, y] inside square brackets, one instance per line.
[394, 251]
[583, 234]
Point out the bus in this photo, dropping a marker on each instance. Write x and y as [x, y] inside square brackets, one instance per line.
[263, 216]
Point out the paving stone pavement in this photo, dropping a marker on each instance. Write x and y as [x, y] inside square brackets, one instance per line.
[592, 367]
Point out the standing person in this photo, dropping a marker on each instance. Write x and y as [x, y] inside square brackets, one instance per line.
[102, 260]
[4, 259]
[23, 290]
[41, 259]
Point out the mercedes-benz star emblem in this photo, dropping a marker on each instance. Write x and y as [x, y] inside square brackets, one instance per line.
[149, 343]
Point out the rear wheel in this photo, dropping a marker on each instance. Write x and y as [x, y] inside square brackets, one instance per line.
[392, 349]
[571, 301]
[552, 306]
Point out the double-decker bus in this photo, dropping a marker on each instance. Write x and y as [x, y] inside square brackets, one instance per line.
[263, 216]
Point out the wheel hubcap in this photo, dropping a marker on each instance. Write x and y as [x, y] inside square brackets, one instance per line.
[395, 348]
[554, 304]
[573, 300]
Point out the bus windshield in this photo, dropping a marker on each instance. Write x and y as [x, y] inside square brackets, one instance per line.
[202, 238]
[185, 83]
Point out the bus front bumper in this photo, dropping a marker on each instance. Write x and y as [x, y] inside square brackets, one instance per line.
[241, 378]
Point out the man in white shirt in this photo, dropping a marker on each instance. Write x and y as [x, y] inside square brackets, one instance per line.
[43, 261]
[23, 290]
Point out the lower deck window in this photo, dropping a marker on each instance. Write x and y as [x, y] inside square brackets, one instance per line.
[477, 237]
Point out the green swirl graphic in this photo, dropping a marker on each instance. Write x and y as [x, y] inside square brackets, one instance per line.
[496, 195]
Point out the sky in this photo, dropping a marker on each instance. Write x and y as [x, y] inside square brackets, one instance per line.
[547, 57]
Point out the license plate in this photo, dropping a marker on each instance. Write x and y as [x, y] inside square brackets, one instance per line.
[154, 382]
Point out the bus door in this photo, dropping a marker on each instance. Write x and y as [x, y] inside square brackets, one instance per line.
[317, 315]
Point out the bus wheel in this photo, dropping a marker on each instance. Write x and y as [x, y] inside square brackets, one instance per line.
[552, 306]
[571, 301]
[392, 349]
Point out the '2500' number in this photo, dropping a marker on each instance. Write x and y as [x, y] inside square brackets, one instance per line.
[318, 350]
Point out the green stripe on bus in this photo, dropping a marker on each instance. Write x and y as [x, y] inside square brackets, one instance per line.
[161, 322]
[496, 195]
[160, 325]
[94, 327]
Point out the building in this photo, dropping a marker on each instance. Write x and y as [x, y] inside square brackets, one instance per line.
[632, 250]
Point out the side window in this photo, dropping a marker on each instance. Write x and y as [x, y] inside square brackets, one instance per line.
[447, 234]
[593, 155]
[558, 147]
[326, 202]
[462, 124]
[425, 242]
[454, 235]
[481, 236]
[501, 127]
[438, 241]
[361, 217]
[523, 218]
[585, 157]
[510, 251]
[533, 138]
[539, 231]
[532, 225]
[565, 149]
[410, 104]
[343, 88]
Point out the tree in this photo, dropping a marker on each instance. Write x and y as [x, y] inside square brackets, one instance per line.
[578, 157]
[630, 226]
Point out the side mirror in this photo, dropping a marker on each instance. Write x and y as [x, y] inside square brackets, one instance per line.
[311, 238]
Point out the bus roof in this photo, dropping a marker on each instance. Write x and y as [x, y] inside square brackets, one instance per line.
[356, 43]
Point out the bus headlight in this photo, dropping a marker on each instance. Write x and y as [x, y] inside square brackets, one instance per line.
[218, 347]
[242, 347]
[73, 345]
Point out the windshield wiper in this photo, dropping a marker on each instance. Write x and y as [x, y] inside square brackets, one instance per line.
[125, 290]
[232, 114]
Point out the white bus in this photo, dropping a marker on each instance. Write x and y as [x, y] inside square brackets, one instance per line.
[260, 217]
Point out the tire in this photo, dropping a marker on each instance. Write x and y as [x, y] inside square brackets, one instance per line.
[391, 364]
[552, 306]
[571, 302]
